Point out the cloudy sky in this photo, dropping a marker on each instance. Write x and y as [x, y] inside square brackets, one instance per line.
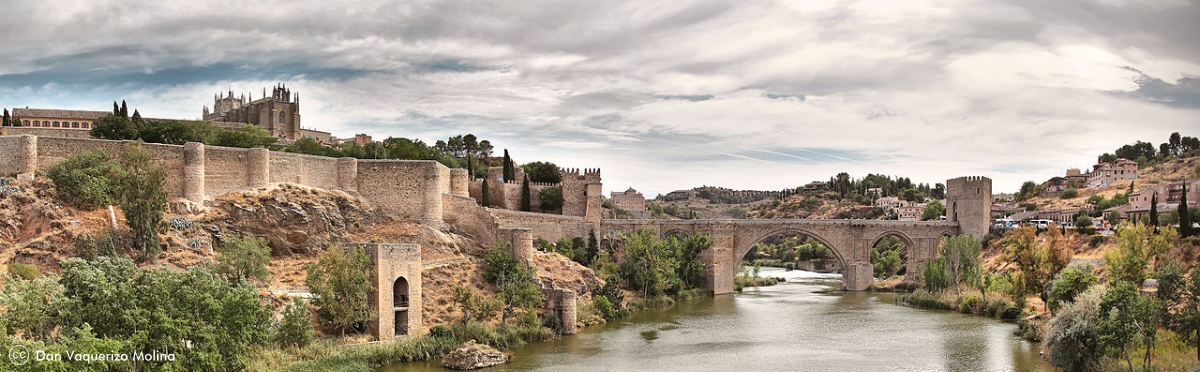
[660, 95]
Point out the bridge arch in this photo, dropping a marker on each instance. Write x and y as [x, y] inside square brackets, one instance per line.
[746, 245]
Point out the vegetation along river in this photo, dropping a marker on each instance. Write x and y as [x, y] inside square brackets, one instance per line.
[792, 326]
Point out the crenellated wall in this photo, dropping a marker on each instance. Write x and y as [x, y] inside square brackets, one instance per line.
[196, 172]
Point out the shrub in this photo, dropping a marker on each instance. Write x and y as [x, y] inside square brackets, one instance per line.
[24, 271]
[89, 247]
[551, 198]
[439, 330]
[84, 179]
[1073, 338]
[1069, 193]
[296, 327]
[970, 303]
[605, 307]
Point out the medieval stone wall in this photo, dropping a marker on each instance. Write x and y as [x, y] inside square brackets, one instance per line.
[469, 218]
[49, 132]
[545, 226]
[404, 189]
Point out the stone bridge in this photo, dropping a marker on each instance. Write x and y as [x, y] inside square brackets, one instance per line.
[968, 211]
[850, 241]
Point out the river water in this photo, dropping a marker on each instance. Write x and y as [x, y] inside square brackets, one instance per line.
[793, 326]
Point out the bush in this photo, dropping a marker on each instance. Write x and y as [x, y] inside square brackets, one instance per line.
[1069, 193]
[24, 271]
[551, 198]
[970, 303]
[105, 243]
[605, 307]
[84, 180]
[296, 327]
[439, 330]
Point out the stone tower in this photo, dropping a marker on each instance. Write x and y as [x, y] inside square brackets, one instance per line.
[398, 289]
[969, 202]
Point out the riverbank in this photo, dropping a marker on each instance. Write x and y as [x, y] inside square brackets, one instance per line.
[806, 323]
[327, 355]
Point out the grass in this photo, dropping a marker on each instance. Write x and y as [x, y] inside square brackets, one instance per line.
[326, 355]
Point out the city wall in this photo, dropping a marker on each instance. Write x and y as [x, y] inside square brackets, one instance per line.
[409, 189]
[546, 226]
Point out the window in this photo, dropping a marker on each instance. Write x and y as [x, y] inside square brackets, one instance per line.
[56, 124]
[27, 123]
[282, 118]
[86, 125]
[74, 124]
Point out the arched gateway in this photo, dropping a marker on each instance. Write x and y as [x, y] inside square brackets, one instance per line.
[850, 240]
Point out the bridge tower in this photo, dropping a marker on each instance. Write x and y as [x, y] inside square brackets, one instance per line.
[969, 202]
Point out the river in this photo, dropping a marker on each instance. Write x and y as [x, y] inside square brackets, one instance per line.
[793, 326]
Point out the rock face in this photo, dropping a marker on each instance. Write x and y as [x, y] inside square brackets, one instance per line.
[472, 356]
[292, 219]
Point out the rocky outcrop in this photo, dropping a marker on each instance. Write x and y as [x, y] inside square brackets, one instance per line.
[293, 219]
[473, 356]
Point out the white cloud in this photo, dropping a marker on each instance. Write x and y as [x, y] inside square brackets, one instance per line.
[661, 96]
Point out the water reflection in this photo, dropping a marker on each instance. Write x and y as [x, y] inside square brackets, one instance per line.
[788, 327]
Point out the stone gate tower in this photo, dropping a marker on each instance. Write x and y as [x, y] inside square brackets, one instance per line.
[969, 202]
[397, 296]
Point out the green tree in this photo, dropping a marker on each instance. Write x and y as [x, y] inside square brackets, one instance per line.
[7, 119]
[593, 247]
[509, 171]
[487, 195]
[1185, 217]
[1069, 193]
[114, 127]
[649, 263]
[295, 329]
[517, 291]
[474, 305]
[250, 136]
[1154, 211]
[1136, 246]
[546, 172]
[690, 268]
[32, 306]
[243, 257]
[551, 198]
[1117, 328]
[525, 195]
[933, 211]
[1083, 223]
[84, 180]
[169, 132]
[142, 197]
[1068, 284]
[340, 281]
[124, 110]
[1021, 248]
[160, 308]
[962, 255]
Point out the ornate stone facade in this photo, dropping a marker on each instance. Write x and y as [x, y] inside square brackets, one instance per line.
[278, 114]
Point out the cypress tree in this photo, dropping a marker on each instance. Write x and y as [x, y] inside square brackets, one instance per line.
[116, 110]
[7, 119]
[487, 199]
[508, 167]
[1185, 218]
[1154, 211]
[525, 195]
[16, 121]
[124, 110]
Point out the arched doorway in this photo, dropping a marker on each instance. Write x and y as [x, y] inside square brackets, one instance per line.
[400, 305]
